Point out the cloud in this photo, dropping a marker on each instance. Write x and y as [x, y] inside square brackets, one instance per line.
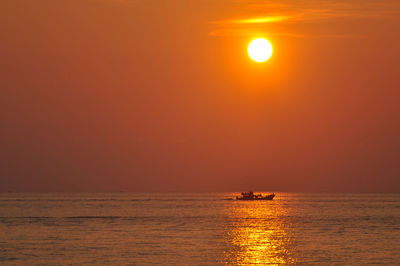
[275, 18]
[257, 20]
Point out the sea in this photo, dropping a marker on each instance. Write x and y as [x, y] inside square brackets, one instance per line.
[199, 229]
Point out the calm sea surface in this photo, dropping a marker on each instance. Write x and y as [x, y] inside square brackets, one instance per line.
[202, 229]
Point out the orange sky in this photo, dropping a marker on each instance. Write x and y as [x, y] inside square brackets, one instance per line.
[138, 95]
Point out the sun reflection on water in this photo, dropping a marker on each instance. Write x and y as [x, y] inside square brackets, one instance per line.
[259, 233]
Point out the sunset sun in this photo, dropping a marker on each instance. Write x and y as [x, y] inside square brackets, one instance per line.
[260, 50]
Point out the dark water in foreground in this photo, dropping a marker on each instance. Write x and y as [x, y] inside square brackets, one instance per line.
[199, 229]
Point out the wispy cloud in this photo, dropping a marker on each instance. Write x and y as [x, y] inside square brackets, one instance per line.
[257, 20]
[275, 18]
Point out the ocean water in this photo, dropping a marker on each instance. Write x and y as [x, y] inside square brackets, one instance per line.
[199, 229]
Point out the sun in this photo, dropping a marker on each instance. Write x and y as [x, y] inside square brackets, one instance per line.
[260, 50]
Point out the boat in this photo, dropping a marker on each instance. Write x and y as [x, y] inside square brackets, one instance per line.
[251, 196]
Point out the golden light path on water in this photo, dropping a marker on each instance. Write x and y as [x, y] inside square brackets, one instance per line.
[259, 233]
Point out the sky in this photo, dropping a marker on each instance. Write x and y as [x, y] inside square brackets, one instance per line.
[161, 96]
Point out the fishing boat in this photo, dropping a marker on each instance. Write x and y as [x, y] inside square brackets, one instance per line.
[251, 196]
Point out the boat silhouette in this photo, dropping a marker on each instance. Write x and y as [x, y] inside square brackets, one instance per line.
[251, 196]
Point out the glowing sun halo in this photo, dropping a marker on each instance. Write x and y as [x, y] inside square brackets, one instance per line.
[260, 50]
